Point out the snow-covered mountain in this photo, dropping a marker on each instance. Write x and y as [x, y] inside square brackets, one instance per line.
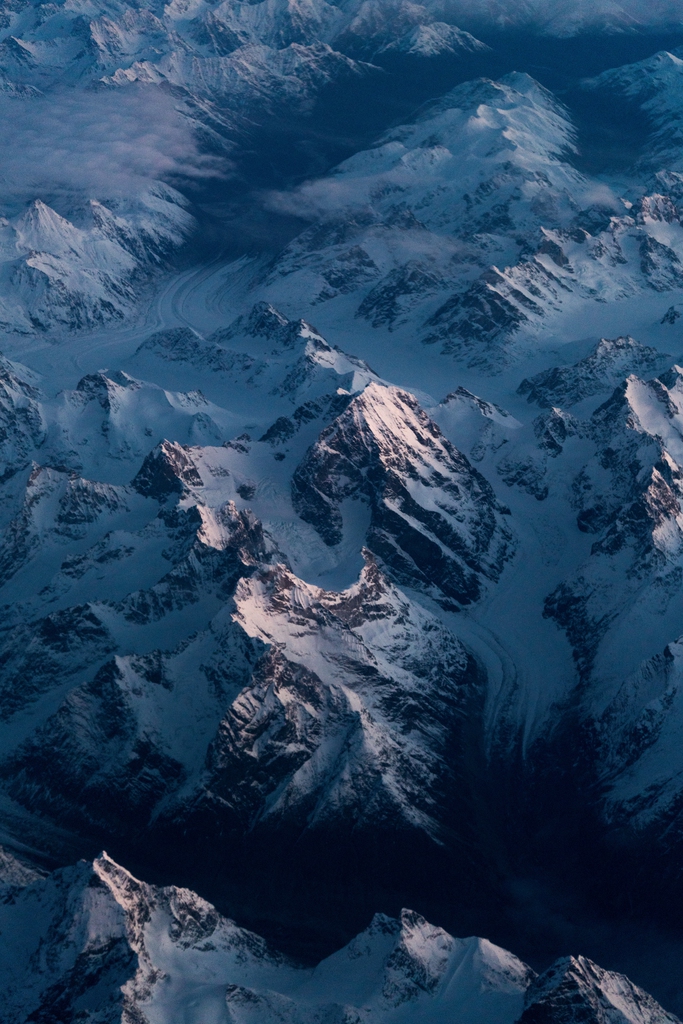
[193, 643]
[434, 39]
[606, 366]
[94, 942]
[654, 85]
[251, 46]
[196, 658]
[401, 222]
[217, 726]
[627, 494]
[575, 989]
[200, 79]
[111, 418]
[471, 228]
[434, 520]
[556, 18]
[58, 274]
[202, 50]
[319, 633]
[230, 68]
[260, 353]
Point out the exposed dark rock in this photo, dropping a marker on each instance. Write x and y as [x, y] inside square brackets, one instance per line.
[434, 519]
[166, 471]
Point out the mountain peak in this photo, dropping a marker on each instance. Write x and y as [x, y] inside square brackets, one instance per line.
[574, 989]
[41, 228]
[93, 937]
[166, 470]
[610, 362]
[384, 450]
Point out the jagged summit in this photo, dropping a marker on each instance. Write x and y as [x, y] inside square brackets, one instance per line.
[384, 451]
[263, 321]
[165, 471]
[434, 39]
[42, 229]
[606, 366]
[575, 989]
[106, 947]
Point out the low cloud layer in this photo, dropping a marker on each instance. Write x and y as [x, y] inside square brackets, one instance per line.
[563, 17]
[99, 144]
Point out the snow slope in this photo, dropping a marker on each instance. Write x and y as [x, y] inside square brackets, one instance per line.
[57, 274]
[470, 228]
[92, 940]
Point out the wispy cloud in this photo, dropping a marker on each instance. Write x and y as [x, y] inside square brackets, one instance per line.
[103, 144]
[563, 17]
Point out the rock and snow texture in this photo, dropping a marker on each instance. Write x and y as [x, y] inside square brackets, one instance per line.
[555, 18]
[260, 590]
[93, 943]
[108, 422]
[654, 85]
[434, 520]
[433, 203]
[15, 875]
[471, 228]
[79, 247]
[574, 989]
[605, 367]
[260, 356]
[58, 274]
[639, 735]
[629, 495]
[349, 714]
[185, 681]
[435, 38]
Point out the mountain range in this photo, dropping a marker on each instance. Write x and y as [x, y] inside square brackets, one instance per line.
[341, 512]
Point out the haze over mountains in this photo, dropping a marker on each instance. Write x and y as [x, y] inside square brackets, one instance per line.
[341, 512]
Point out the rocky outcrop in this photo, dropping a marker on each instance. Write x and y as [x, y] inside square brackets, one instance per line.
[22, 419]
[316, 721]
[602, 370]
[435, 522]
[166, 471]
[629, 494]
[340, 721]
[576, 990]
